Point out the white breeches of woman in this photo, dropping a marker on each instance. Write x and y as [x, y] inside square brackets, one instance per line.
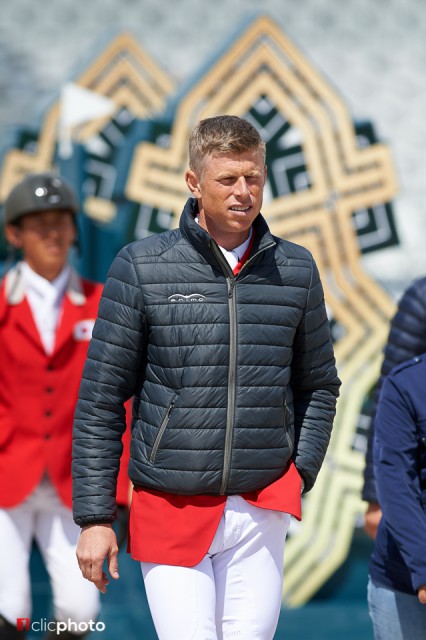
[235, 592]
[44, 518]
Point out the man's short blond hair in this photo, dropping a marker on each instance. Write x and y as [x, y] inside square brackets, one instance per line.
[222, 134]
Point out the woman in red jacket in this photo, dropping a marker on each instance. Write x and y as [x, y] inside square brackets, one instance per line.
[46, 316]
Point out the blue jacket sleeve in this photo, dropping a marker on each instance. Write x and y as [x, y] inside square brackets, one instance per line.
[407, 338]
[396, 454]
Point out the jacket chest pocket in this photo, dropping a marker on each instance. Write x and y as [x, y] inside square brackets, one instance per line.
[163, 426]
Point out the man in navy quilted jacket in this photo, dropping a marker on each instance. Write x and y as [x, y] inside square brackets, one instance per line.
[397, 571]
[218, 330]
[407, 338]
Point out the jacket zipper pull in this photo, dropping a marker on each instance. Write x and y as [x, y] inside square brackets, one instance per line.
[231, 284]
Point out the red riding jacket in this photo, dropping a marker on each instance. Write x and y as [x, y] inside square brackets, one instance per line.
[38, 391]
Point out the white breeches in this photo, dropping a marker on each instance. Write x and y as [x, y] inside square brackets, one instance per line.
[235, 592]
[44, 518]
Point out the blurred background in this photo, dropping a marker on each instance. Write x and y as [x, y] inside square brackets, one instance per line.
[372, 51]
[370, 55]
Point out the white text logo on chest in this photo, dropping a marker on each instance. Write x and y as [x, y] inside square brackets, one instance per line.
[192, 297]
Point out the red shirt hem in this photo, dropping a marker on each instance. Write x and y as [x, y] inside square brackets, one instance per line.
[178, 530]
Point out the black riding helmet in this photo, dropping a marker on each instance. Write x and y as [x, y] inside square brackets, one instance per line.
[39, 192]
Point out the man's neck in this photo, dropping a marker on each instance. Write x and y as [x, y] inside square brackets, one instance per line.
[228, 241]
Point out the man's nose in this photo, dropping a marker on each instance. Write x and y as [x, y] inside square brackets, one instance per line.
[241, 187]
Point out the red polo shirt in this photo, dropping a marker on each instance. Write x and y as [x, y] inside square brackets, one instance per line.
[172, 529]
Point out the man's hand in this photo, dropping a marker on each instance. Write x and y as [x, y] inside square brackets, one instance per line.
[422, 594]
[98, 542]
[373, 515]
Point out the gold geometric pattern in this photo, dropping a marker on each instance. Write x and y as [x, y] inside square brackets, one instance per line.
[125, 74]
[264, 64]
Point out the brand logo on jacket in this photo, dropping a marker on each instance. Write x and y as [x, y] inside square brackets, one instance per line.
[192, 297]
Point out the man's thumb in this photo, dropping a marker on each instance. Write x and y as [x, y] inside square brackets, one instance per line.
[113, 565]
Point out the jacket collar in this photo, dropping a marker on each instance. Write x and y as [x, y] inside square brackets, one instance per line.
[201, 240]
[15, 287]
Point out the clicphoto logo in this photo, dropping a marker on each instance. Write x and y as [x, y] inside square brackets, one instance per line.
[25, 624]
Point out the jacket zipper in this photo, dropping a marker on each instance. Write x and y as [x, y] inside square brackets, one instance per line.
[232, 308]
[247, 262]
[161, 430]
[230, 411]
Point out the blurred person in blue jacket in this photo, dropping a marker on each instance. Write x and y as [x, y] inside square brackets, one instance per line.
[397, 574]
[407, 338]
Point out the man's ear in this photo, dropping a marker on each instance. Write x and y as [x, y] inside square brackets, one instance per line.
[193, 183]
[12, 235]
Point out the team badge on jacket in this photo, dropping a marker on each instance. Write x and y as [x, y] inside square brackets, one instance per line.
[83, 330]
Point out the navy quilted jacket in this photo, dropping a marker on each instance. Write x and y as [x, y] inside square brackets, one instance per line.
[407, 338]
[399, 557]
[231, 376]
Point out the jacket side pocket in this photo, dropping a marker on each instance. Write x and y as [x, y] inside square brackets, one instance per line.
[161, 430]
[286, 424]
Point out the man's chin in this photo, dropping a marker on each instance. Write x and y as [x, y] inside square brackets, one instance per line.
[242, 223]
[241, 214]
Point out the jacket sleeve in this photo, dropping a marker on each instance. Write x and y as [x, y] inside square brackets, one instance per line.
[314, 383]
[407, 338]
[396, 466]
[110, 377]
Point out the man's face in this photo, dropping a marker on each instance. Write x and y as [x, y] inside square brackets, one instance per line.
[229, 190]
[45, 239]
